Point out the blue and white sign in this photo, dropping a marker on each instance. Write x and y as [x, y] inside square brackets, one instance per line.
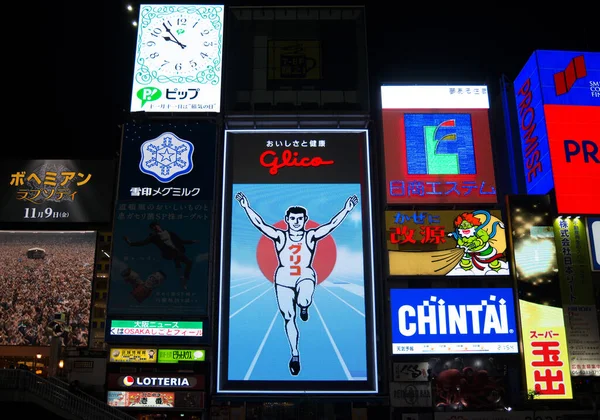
[569, 77]
[166, 157]
[593, 226]
[439, 321]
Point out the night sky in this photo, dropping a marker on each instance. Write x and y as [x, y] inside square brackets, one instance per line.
[80, 59]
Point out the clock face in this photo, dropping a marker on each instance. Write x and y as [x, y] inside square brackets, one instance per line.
[178, 45]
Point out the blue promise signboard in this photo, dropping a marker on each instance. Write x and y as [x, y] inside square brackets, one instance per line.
[438, 321]
[532, 128]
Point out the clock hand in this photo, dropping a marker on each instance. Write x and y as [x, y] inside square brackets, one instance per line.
[172, 37]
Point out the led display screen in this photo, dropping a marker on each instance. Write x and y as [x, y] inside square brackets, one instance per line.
[155, 399]
[46, 287]
[78, 191]
[446, 243]
[177, 66]
[437, 321]
[163, 219]
[296, 294]
[437, 145]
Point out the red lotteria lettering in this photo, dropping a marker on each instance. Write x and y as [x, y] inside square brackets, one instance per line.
[269, 159]
[528, 125]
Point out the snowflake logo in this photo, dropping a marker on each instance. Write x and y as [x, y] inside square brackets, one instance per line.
[166, 157]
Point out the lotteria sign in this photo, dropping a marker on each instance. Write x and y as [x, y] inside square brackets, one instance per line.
[156, 381]
[441, 321]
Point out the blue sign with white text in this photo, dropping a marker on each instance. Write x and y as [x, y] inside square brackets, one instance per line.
[440, 321]
[569, 77]
[532, 128]
[439, 144]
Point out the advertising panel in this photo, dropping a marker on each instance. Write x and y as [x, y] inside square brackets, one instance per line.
[437, 145]
[593, 229]
[437, 321]
[532, 127]
[79, 191]
[46, 286]
[410, 394]
[163, 221]
[573, 261]
[569, 77]
[155, 380]
[155, 399]
[296, 317]
[156, 328]
[578, 299]
[181, 355]
[545, 351]
[574, 138]
[177, 66]
[407, 372]
[125, 355]
[446, 243]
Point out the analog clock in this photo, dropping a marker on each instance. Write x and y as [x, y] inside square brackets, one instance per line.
[179, 44]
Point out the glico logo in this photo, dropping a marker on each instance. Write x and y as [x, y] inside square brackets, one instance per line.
[439, 318]
[439, 144]
[564, 80]
[149, 381]
[274, 163]
[166, 157]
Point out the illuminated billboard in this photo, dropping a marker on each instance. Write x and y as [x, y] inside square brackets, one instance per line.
[296, 292]
[131, 355]
[446, 243]
[593, 227]
[438, 321]
[557, 98]
[155, 399]
[177, 66]
[181, 355]
[163, 219]
[46, 287]
[155, 380]
[437, 145]
[574, 139]
[545, 351]
[156, 328]
[56, 191]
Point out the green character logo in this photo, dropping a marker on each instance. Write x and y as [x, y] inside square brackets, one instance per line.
[473, 234]
[148, 94]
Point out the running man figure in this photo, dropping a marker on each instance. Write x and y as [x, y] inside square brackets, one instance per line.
[295, 279]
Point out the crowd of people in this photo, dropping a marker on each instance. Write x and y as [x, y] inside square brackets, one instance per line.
[34, 290]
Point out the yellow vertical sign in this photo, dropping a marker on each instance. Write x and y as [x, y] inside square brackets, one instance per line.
[545, 351]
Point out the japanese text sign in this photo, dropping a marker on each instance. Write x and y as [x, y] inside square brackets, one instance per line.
[296, 236]
[79, 191]
[437, 145]
[573, 262]
[545, 351]
[156, 328]
[446, 242]
[132, 355]
[181, 355]
[438, 321]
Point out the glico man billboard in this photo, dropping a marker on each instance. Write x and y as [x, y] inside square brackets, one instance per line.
[437, 145]
[558, 107]
[296, 287]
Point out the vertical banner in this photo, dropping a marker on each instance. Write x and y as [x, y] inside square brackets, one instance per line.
[296, 298]
[577, 291]
[593, 229]
[543, 335]
[162, 221]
